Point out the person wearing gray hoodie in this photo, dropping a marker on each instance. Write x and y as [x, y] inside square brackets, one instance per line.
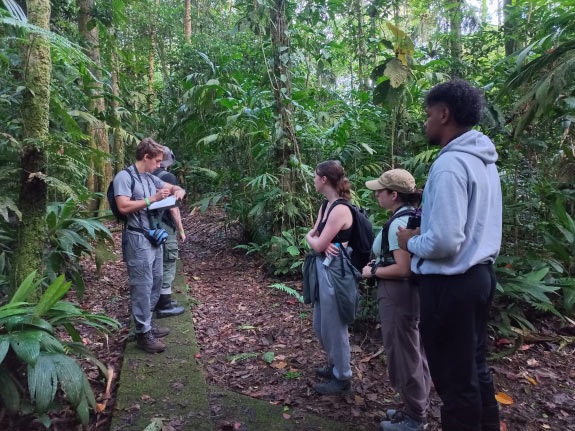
[453, 254]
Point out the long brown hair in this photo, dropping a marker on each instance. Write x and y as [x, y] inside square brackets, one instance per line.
[335, 174]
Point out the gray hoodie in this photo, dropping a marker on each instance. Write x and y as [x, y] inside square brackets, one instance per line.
[461, 221]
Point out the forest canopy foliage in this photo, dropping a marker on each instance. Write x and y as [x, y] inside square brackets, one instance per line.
[252, 95]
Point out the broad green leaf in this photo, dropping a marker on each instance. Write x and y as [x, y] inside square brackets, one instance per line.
[9, 391]
[269, 357]
[42, 382]
[26, 288]
[82, 412]
[51, 344]
[26, 322]
[209, 139]
[26, 345]
[536, 275]
[397, 72]
[4, 345]
[155, 425]
[53, 294]
[88, 392]
[71, 378]
[293, 250]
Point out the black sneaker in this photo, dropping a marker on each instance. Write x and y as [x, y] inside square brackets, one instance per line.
[325, 372]
[334, 386]
[169, 311]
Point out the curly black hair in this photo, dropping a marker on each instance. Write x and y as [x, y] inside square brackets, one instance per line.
[465, 102]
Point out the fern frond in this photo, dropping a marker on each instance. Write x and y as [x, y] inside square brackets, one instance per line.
[287, 289]
[69, 50]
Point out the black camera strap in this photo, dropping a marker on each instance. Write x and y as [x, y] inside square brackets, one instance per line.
[385, 230]
[150, 194]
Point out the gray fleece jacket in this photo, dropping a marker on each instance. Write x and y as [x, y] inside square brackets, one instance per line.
[461, 219]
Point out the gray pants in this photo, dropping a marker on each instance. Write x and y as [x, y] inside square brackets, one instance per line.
[170, 259]
[144, 264]
[330, 330]
[398, 302]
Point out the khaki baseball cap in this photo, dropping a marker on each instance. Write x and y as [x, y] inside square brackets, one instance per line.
[398, 180]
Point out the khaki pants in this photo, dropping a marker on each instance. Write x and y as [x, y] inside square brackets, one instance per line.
[170, 259]
[144, 263]
[398, 302]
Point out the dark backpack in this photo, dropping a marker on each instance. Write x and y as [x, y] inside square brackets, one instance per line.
[112, 198]
[361, 233]
[385, 231]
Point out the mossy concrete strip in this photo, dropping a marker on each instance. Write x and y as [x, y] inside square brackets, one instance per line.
[171, 386]
[168, 385]
[258, 415]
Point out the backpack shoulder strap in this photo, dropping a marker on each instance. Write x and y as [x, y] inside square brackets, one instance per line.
[323, 207]
[387, 224]
[341, 202]
[133, 183]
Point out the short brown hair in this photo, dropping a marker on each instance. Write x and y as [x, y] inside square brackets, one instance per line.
[150, 147]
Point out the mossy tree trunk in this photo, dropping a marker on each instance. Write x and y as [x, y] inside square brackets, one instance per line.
[119, 146]
[285, 139]
[35, 121]
[151, 57]
[455, 20]
[187, 20]
[97, 182]
[361, 53]
[509, 25]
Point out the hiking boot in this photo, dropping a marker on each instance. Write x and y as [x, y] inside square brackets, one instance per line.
[399, 421]
[325, 372]
[159, 332]
[149, 343]
[334, 386]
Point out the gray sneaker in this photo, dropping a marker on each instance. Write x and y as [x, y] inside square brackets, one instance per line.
[399, 421]
[334, 386]
[325, 372]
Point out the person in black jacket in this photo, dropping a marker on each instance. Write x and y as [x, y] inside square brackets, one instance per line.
[172, 223]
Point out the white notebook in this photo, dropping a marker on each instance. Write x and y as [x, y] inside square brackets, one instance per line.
[165, 203]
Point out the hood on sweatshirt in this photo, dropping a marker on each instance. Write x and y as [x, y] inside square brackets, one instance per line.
[473, 142]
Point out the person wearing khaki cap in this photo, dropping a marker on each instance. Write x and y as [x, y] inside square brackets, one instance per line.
[398, 301]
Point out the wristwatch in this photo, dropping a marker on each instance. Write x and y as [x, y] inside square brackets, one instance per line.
[373, 269]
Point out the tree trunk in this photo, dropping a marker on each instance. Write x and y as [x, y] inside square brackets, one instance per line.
[151, 57]
[357, 10]
[119, 149]
[509, 27]
[99, 181]
[286, 140]
[35, 123]
[187, 20]
[455, 36]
